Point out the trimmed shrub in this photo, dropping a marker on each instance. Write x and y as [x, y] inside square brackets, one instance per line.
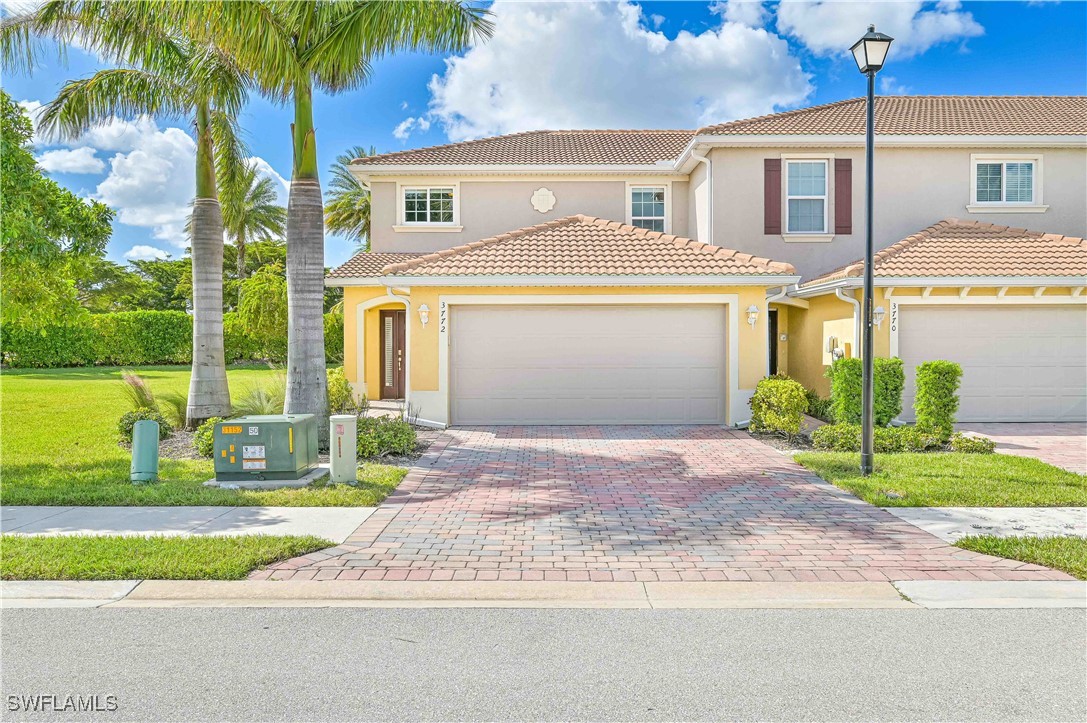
[128, 421]
[847, 438]
[818, 407]
[51, 346]
[968, 444]
[204, 439]
[382, 436]
[341, 399]
[334, 338]
[845, 390]
[937, 396]
[238, 342]
[778, 406]
[143, 337]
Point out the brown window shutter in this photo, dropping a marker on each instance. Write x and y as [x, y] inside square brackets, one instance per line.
[843, 195]
[771, 196]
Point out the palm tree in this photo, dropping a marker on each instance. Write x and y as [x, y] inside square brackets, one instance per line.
[347, 210]
[165, 75]
[251, 211]
[291, 48]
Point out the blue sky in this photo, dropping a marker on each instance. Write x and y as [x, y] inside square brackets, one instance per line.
[651, 64]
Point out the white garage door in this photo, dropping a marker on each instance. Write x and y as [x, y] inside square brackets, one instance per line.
[588, 364]
[1020, 363]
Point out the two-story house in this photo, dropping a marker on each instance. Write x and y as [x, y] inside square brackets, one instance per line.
[654, 276]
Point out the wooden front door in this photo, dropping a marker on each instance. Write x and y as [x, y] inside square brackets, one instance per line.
[392, 354]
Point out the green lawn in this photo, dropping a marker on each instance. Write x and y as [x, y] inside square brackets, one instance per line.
[951, 480]
[146, 558]
[1061, 553]
[58, 445]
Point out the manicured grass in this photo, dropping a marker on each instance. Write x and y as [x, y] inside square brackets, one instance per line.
[1061, 553]
[59, 447]
[149, 558]
[951, 480]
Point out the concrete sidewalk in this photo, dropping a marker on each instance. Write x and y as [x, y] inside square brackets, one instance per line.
[952, 523]
[499, 594]
[332, 523]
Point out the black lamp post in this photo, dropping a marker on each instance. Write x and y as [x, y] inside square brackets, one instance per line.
[870, 52]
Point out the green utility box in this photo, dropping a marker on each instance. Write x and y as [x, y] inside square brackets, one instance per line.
[265, 447]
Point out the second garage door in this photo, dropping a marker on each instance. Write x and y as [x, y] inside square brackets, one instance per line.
[588, 364]
[1020, 363]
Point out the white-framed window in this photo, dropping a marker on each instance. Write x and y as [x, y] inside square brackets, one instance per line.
[429, 205]
[806, 194]
[1005, 180]
[648, 207]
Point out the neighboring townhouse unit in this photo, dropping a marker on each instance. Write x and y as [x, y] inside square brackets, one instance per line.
[655, 276]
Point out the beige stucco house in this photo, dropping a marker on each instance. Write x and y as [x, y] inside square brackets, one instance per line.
[654, 276]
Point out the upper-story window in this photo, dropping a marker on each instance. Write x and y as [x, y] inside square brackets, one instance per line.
[1004, 181]
[806, 189]
[647, 207]
[430, 205]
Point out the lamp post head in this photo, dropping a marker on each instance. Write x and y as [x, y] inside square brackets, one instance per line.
[870, 51]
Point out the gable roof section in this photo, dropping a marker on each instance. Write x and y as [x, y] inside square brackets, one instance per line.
[971, 248]
[586, 246]
[365, 265]
[924, 115]
[586, 147]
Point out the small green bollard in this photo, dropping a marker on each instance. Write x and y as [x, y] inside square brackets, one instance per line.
[145, 451]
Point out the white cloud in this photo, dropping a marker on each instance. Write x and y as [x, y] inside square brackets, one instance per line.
[889, 85]
[407, 126]
[79, 160]
[151, 185]
[746, 12]
[140, 252]
[597, 65]
[283, 186]
[830, 27]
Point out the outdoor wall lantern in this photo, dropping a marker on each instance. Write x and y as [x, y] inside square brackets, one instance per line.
[424, 314]
[752, 315]
[877, 316]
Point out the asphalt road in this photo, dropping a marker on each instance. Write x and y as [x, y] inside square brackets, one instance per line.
[459, 664]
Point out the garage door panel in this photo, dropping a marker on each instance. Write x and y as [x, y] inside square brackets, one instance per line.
[588, 364]
[1020, 363]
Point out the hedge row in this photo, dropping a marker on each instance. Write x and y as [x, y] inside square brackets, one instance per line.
[130, 338]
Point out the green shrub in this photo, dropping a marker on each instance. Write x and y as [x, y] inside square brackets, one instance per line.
[237, 341]
[847, 438]
[845, 390]
[334, 338]
[75, 345]
[204, 439]
[818, 407]
[128, 421]
[778, 406]
[341, 398]
[969, 444]
[143, 337]
[381, 436]
[937, 396]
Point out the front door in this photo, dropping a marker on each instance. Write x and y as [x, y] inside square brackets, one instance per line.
[773, 350]
[392, 354]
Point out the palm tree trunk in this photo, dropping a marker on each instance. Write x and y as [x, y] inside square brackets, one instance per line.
[307, 390]
[209, 395]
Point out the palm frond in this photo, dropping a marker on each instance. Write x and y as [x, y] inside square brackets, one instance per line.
[347, 209]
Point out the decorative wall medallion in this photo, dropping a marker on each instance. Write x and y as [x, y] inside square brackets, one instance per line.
[543, 200]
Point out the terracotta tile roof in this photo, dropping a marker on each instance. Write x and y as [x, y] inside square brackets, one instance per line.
[582, 245]
[926, 115]
[971, 248]
[547, 147]
[366, 264]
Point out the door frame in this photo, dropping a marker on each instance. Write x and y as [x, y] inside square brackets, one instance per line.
[736, 408]
[399, 323]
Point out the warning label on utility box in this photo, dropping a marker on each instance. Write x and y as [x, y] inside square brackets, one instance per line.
[254, 464]
[253, 451]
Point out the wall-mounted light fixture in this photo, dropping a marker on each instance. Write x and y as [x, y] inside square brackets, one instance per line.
[424, 314]
[877, 316]
[752, 315]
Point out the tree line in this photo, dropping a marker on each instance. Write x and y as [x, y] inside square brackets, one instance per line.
[199, 62]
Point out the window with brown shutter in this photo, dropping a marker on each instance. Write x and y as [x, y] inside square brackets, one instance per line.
[771, 196]
[843, 195]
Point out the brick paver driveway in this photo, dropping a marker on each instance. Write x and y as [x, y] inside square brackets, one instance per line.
[1062, 444]
[632, 503]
